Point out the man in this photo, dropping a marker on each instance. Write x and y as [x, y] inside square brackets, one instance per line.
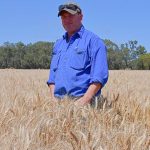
[79, 67]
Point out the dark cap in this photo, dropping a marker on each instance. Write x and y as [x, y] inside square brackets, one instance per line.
[72, 8]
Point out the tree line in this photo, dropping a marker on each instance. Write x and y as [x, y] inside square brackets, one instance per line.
[129, 55]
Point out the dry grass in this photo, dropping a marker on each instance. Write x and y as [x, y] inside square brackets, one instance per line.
[30, 121]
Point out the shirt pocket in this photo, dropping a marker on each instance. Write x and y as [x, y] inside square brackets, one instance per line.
[55, 60]
[78, 59]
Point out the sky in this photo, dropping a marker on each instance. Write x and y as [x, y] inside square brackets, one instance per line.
[30, 21]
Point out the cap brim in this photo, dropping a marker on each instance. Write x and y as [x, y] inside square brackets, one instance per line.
[68, 10]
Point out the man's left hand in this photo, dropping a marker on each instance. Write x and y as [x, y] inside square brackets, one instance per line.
[82, 101]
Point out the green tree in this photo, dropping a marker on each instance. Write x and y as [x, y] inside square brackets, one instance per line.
[38, 55]
[7, 55]
[144, 61]
[20, 51]
[114, 55]
[131, 51]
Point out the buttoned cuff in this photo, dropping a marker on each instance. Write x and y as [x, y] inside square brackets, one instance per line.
[97, 81]
[48, 83]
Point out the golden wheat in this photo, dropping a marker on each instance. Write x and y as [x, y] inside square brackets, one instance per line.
[31, 121]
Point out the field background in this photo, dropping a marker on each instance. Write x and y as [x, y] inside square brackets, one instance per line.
[29, 120]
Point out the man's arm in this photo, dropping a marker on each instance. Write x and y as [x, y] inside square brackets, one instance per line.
[99, 71]
[90, 93]
[52, 87]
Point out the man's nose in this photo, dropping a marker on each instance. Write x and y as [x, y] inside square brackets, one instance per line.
[67, 20]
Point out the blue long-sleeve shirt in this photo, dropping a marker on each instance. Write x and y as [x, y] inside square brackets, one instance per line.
[77, 63]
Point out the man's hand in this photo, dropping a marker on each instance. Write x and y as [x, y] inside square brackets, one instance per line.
[82, 101]
[86, 99]
[54, 99]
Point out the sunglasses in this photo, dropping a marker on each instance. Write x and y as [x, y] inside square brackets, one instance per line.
[69, 6]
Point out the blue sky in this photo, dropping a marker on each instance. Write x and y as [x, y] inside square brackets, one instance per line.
[36, 20]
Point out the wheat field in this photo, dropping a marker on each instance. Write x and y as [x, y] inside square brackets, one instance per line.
[29, 120]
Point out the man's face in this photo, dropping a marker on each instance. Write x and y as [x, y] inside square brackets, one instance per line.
[71, 23]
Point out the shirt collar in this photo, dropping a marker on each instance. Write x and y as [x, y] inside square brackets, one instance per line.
[79, 33]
